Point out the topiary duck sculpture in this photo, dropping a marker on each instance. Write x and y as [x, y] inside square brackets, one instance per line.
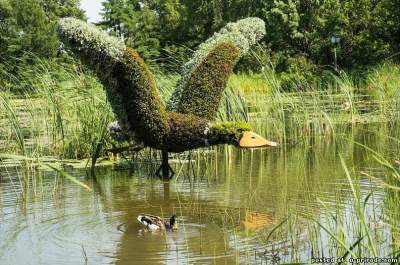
[186, 123]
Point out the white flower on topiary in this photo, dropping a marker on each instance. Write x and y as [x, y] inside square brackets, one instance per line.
[243, 34]
[89, 39]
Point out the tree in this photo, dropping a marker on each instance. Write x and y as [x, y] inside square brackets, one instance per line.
[387, 14]
[113, 15]
[142, 32]
[305, 28]
[171, 14]
[136, 22]
[29, 25]
[369, 30]
[8, 28]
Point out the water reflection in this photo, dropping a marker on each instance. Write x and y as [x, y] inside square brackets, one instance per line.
[227, 204]
[194, 241]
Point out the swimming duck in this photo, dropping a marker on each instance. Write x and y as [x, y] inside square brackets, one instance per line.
[156, 223]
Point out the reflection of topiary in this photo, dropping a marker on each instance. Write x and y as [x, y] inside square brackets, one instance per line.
[243, 34]
[132, 92]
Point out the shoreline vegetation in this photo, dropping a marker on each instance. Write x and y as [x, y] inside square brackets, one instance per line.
[60, 114]
[59, 109]
[54, 113]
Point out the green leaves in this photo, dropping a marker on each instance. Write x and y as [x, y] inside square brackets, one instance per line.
[29, 25]
[305, 27]
[135, 21]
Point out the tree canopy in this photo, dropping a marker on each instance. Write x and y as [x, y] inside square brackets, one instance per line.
[298, 31]
[368, 30]
[29, 25]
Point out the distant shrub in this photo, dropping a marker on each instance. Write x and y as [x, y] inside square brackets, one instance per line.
[258, 57]
[300, 74]
[383, 81]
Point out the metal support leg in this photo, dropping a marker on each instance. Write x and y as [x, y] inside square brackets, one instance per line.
[165, 171]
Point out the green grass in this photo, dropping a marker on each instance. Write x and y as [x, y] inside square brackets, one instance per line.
[60, 110]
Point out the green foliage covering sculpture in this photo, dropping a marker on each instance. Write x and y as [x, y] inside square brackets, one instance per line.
[133, 95]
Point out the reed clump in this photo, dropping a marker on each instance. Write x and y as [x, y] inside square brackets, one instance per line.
[359, 219]
[59, 109]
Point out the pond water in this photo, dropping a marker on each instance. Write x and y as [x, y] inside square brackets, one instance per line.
[227, 203]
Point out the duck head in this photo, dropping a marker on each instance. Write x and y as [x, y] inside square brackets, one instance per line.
[250, 139]
[239, 134]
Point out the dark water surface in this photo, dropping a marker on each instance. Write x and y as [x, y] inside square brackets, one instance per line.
[226, 203]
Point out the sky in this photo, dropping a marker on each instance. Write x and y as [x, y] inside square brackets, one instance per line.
[92, 9]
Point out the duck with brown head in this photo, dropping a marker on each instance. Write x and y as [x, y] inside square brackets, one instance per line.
[156, 223]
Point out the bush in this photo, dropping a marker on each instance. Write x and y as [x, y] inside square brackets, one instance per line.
[300, 74]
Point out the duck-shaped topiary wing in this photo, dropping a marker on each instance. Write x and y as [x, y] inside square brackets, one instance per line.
[204, 89]
[205, 76]
[130, 86]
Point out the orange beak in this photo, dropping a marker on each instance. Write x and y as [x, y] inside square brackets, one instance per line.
[253, 140]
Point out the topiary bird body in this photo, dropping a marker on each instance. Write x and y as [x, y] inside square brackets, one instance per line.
[132, 92]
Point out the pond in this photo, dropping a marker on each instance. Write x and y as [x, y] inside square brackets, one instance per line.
[233, 207]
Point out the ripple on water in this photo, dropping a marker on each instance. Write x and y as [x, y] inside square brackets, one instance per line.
[221, 218]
